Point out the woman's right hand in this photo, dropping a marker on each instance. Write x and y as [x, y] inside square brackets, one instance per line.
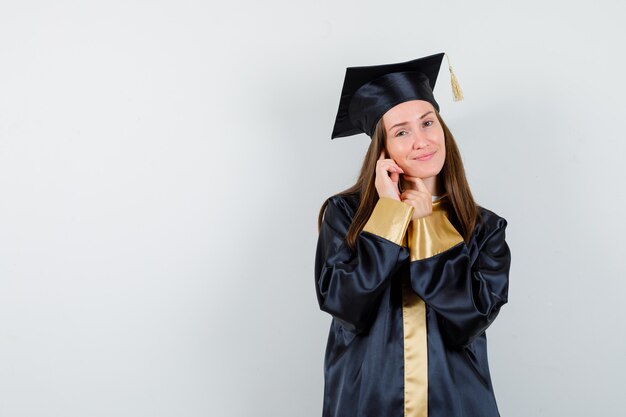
[387, 177]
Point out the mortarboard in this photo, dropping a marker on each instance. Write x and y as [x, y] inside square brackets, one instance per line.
[368, 92]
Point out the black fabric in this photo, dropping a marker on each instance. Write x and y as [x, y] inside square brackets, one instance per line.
[369, 91]
[463, 288]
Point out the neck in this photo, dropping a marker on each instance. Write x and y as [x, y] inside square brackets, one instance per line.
[434, 185]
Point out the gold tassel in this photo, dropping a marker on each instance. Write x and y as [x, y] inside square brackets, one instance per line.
[456, 88]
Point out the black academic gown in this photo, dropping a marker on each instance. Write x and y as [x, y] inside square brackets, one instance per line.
[410, 306]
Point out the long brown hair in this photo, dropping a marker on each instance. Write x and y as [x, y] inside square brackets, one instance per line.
[462, 208]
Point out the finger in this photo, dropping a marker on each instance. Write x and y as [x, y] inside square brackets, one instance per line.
[417, 195]
[390, 165]
[398, 169]
[419, 183]
[393, 164]
[409, 197]
[413, 195]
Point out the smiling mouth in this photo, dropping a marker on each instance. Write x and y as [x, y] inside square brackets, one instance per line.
[424, 157]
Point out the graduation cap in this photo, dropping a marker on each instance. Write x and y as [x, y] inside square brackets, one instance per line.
[368, 92]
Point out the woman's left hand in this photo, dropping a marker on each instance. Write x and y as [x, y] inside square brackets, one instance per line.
[418, 197]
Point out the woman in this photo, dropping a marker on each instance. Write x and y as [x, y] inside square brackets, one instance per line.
[410, 268]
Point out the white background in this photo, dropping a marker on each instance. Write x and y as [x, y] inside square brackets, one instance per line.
[162, 165]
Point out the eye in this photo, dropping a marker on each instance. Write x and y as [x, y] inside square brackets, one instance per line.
[401, 133]
[426, 123]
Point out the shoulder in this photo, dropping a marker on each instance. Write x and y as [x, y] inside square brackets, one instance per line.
[489, 224]
[488, 243]
[345, 203]
[340, 210]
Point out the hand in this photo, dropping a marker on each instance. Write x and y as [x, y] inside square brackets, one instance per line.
[387, 177]
[417, 196]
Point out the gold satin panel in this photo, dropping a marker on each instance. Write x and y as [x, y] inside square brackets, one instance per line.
[433, 234]
[390, 219]
[426, 237]
[415, 353]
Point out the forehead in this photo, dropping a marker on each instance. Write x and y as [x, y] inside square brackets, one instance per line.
[406, 111]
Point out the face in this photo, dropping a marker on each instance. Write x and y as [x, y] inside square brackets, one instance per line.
[415, 138]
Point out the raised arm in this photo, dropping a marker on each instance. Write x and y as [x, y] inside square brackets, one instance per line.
[349, 283]
[466, 293]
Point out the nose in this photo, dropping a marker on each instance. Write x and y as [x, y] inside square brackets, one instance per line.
[420, 140]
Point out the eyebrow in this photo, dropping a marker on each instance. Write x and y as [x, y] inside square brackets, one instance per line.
[404, 123]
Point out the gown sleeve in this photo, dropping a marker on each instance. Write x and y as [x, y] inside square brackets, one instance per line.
[466, 291]
[349, 282]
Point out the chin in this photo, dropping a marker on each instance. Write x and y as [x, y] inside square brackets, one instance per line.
[423, 173]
